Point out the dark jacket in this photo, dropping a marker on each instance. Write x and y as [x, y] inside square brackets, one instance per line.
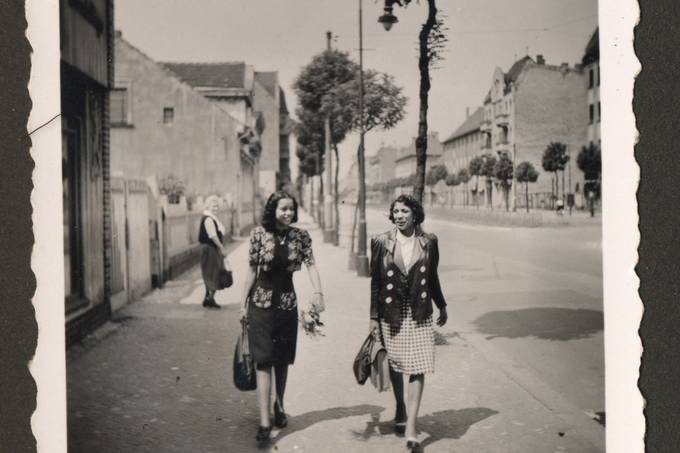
[391, 286]
[203, 234]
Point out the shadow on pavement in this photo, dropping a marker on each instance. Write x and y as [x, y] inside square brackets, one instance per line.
[304, 421]
[545, 323]
[448, 424]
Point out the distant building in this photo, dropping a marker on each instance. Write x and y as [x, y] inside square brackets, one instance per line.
[86, 42]
[266, 100]
[465, 143]
[382, 166]
[232, 87]
[405, 162]
[530, 106]
[591, 67]
[286, 127]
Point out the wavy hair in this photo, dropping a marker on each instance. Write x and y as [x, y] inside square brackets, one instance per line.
[269, 213]
[413, 204]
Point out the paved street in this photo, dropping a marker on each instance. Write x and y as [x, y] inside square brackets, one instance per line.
[519, 366]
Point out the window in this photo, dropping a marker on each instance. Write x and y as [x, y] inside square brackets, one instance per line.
[591, 78]
[599, 112]
[591, 109]
[168, 115]
[598, 75]
[120, 107]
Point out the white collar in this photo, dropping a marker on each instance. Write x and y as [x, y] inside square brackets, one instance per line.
[403, 239]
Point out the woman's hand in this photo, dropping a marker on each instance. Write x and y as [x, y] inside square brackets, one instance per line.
[373, 326]
[243, 313]
[318, 304]
[443, 317]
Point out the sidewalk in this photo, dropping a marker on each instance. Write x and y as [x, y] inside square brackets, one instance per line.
[161, 382]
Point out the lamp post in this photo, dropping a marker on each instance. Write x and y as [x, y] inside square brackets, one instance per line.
[362, 255]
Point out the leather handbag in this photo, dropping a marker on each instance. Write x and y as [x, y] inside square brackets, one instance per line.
[225, 278]
[380, 367]
[244, 365]
[362, 361]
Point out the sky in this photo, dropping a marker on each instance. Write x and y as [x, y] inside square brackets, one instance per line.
[283, 36]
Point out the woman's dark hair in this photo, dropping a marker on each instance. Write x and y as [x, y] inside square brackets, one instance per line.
[413, 204]
[269, 214]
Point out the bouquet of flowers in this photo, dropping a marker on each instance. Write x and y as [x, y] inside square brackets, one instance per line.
[310, 321]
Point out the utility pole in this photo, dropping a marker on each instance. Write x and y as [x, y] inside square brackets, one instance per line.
[362, 256]
[514, 177]
[329, 227]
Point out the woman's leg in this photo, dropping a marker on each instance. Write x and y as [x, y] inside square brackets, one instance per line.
[264, 383]
[398, 388]
[281, 376]
[416, 382]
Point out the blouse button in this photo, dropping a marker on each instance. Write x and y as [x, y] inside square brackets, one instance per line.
[423, 295]
[390, 273]
[423, 281]
[422, 268]
[388, 300]
[390, 286]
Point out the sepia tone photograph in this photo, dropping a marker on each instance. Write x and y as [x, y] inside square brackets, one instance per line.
[332, 226]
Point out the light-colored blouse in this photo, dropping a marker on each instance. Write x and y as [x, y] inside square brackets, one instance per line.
[406, 244]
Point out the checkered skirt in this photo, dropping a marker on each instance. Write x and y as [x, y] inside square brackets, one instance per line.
[410, 345]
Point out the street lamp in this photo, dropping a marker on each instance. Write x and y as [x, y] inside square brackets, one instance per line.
[388, 19]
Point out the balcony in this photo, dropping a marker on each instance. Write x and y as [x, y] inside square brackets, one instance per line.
[502, 119]
[502, 142]
[485, 126]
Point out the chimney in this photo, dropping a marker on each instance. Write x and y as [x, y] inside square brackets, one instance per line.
[540, 59]
[467, 112]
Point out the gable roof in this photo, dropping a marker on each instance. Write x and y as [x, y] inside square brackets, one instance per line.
[516, 68]
[592, 52]
[222, 75]
[471, 124]
[268, 80]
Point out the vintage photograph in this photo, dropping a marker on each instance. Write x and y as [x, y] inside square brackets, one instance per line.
[316, 226]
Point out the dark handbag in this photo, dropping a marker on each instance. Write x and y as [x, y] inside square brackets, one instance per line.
[224, 279]
[380, 367]
[362, 362]
[244, 365]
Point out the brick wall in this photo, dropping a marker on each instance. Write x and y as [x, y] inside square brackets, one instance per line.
[549, 105]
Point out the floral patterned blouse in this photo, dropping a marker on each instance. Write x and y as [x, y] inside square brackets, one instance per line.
[263, 243]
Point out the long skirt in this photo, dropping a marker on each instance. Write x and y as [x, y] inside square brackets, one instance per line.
[211, 264]
[410, 345]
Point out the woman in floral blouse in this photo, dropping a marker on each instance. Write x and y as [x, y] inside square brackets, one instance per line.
[276, 251]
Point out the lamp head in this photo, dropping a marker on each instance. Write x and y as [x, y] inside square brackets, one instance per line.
[388, 19]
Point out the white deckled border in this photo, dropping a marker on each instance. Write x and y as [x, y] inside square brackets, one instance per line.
[48, 366]
[622, 305]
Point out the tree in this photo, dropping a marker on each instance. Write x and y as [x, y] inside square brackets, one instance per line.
[555, 159]
[328, 87]
[463, 177]
[589, 161]
[436, 174]
[502, 171]
[432, 40]
[487, 170]
[475, 168]
[526, 173]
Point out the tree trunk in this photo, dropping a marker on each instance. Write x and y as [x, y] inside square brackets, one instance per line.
[526, 191]
[320, 203]
[477, 191]
[336, 201]
[424, 67]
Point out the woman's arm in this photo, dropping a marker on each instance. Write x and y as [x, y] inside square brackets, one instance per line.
[211, 231]
[248, 283]
[435, 285]
[317, 300]
[376, 272]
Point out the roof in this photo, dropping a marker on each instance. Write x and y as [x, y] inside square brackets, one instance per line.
[269, 80]
[516, 68]
[471, 124]
[223, 75]
[592, 52]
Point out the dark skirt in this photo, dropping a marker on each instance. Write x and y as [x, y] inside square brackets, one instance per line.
[273, 320]
[211, 264]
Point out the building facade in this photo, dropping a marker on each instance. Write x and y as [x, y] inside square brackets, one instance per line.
[382, 166]
[527, 108]
[266, 101]
[86, 77]
[405, 161]
[465, 143]
[591, 67]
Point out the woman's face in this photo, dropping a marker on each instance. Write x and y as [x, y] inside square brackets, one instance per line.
[285, 211]
[214, 205]
[403, 217]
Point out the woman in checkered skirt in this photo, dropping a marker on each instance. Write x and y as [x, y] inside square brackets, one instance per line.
[404, 283]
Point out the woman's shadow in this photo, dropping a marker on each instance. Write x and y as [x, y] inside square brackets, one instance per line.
[448, 424]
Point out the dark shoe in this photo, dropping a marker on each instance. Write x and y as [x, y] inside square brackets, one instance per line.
[412, 445]
[210, 303]
[400, 421]
[263, 433]
[280, 417]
